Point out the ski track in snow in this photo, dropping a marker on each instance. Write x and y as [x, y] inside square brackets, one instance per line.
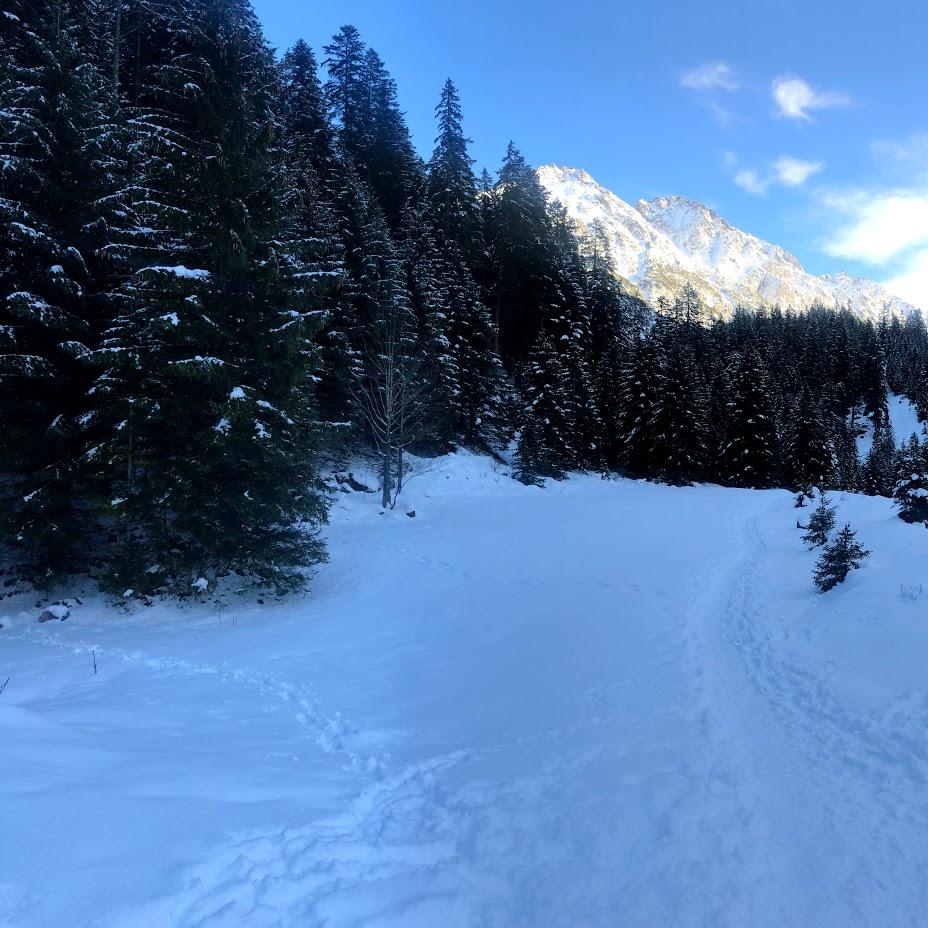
[818, 809]
[465, 852]
[455, 848]
[332, 733]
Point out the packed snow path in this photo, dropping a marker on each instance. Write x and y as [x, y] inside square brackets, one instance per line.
[602, 704]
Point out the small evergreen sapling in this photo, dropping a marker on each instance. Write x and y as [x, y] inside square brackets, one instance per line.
[838, 559]
[821, 522]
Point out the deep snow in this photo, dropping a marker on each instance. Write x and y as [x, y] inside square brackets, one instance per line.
[603, 703]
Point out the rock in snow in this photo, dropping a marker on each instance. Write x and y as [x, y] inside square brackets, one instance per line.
[56, 612]
[661, 245]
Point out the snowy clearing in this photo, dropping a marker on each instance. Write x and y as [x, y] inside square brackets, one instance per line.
[904, 419]
[603, 703]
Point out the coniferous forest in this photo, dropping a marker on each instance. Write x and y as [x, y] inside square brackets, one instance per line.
[222, 268]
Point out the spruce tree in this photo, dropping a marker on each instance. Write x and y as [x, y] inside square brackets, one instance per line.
[521, 268]
[607, 386]
[452, 188]
[838, 559]
[748, 455]
[315, 181]
[54, 189]
[810, 452]
[639, 400]
[452, 215]
[879, 473]
[678, 453]
[821, 523]
[309, 138]
[346, 92]
[546, 415]
[212, 421]
[910, 492]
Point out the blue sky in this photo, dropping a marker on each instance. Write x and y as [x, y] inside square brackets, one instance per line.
[802, 122]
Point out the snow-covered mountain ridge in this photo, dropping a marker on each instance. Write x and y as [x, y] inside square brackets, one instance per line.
[660, 245]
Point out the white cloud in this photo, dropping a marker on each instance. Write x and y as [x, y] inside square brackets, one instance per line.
[880, 225]
[911, 284]
[793, 172]
[749, 180]
[714, 75]
[786, 171]
[795, 98]
[886, 228]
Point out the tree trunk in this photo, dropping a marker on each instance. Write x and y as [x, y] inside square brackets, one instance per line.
[385, 477]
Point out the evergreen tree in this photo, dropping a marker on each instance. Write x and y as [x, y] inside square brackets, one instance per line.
[749, 454]
[530, 459]
[838, 559]
[393, 169]
[370, 128]
[452, 213]
[879, 476]
[429, 284]
[910, 492]
[546, 436]
[315, 181]
[54, 188]
[607, 386]
[309, 139]
[640, 398]
[521, 268]
[810, 452]
[452, 188]
[346, 92]
[679, 450]
[848, 473]
[821, 523]
[212, 423]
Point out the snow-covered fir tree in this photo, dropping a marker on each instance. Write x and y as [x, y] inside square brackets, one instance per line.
[55, 189]
[821, 523]
[213, 426]
[838, 558]
[910, 491]
[748, 455]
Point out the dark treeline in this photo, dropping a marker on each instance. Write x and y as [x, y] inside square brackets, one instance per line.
[218, 266]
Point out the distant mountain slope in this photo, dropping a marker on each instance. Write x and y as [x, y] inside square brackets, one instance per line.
[665, 243]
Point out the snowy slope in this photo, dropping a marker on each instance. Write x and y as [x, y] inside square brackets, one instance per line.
[603, 703]
[904, 419]
[664, 243]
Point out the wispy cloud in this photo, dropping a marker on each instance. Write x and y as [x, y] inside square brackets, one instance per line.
[794, 172]
[748, 179]
[714, 75]
[721, 115]
[786, 171]
[796, 99]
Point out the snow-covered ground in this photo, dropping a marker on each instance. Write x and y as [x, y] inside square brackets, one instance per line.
[604, 703]
[904, 419]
